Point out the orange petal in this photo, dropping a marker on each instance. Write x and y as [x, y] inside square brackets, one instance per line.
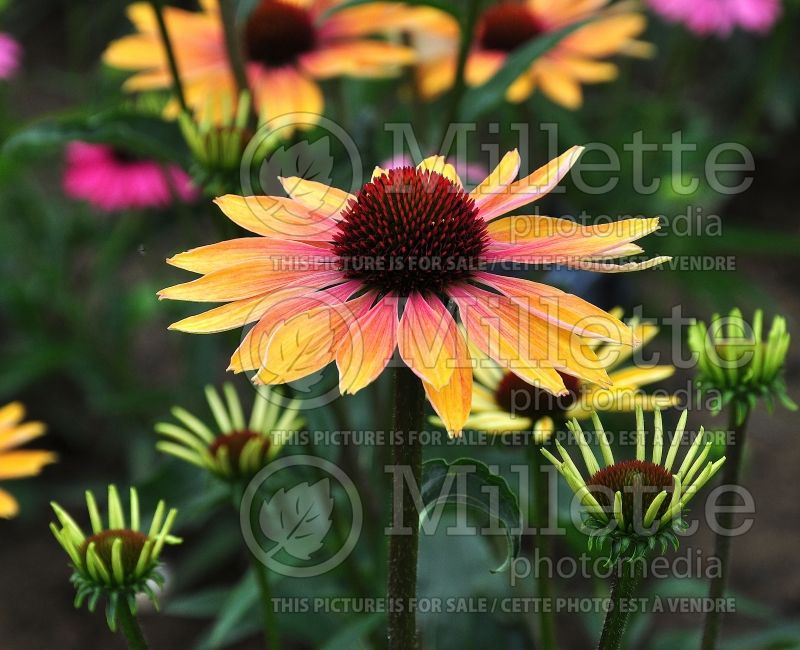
[321, 199]
[273, 253]
[427, 339]
[287, 99]
[8, 505]
[496, 182]
[276, 217]
[532, 187]
[20, 434]
[368, 346]
[28, 462]
[11, 413]
[453, 401]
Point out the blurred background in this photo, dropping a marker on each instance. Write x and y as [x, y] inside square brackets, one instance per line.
[84, 344]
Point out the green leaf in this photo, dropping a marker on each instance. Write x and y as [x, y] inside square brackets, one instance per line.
[240, 601]
[353, 635]
[145, 134]
[481, 99]
[471, 482]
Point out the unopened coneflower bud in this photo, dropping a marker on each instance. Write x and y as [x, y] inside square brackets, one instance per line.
[636, 504]
[119, 559]
[239, 448]
[735, 359]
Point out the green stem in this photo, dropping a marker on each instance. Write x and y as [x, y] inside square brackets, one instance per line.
[267, 612]
[722, 541]
[625, 584]
[158, 8]
[233, 46]
[130, 629]
[409, 404]
[459, 84]
[542, 546]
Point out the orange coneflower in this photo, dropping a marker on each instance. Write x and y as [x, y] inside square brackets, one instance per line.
[18, 463]
[505, 25]
[288, 45]
[327, 278]
[501, 402]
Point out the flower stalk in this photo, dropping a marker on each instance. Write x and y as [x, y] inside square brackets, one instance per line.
[722, 542]
[625, 584]
[542, 546]
[271, 635]
[409, 404]
[158, 8]
[227, 9]
[130, 629]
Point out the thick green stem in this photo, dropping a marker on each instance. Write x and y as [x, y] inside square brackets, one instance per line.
[625, 584]
[267, 612]
[227, 9]
[409, 404]
[130, 629]
[542, 548]
[158, 8]
[467, 33]
[722, 542]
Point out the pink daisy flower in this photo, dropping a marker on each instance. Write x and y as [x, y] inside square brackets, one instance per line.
[112, 180]
[10, 54]
[720, 17]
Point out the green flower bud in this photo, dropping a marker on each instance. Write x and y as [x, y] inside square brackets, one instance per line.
[118, 560]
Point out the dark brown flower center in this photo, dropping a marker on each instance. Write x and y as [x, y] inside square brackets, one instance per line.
[132, 545]
[278, 32]
[518, 397]
[639, 482]
[410, 230]
[507, 26]
[234, 444]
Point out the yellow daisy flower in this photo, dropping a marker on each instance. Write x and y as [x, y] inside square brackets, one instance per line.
[18, 463]
[328, 277]
[288, 44]
[502, 403]
[505, 25]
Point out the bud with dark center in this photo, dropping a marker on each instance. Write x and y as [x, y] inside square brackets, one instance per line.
[278, 32]
[132, 544]
[506, 26]
[517, 397]
[638, 481]
[234, 444]
[410, 230]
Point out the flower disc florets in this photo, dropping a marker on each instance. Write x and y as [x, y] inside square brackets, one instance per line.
[506, 26]
[410, 230]
[519, 398]
[277, 33]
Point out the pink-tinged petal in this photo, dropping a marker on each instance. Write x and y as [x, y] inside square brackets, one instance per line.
[252, 351]
[234, 283]
[452, 402]
[317, 197]
[496, 183]
[273, 253]
[608, 267]
[307, 342]
[559, 308]
[427, 339]
[526, 344]
[368, 346]
[532, 187]
[568, 245]
[276, 217]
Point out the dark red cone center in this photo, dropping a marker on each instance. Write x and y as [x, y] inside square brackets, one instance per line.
[507, 26]
[278, 32]
[132, 544]
[518, 397]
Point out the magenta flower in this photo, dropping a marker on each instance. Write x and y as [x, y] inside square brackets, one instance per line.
[112, 180]
[720, 17]
[10, 54]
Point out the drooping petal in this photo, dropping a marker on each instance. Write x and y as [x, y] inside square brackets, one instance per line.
[636, 377]
[561, 309]
[427, 339]
[8, 505]
[452, 402]
[20, 434]
[11, 413]
[368, 346]
[276, 217]
[286, 98]
[532, 187]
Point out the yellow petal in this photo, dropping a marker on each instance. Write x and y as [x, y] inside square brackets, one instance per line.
[427, 339]
[8, 505]
[26, 462]
[452, 401]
